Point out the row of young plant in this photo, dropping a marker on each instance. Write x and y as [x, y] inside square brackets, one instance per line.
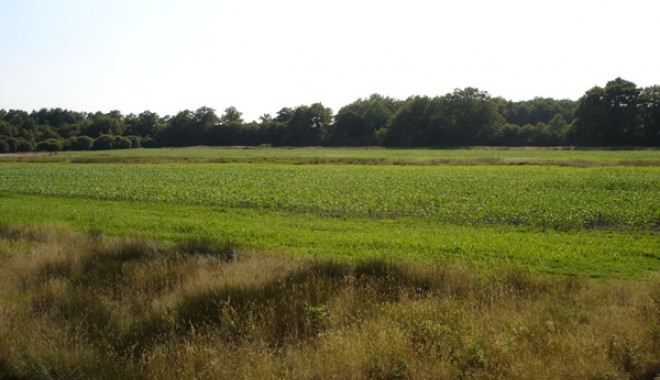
[620, 114]
[550, 197]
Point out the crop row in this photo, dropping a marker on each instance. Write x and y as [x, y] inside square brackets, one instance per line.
[555, 197]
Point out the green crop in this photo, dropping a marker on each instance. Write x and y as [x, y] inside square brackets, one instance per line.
[544, 196]
[599, 220]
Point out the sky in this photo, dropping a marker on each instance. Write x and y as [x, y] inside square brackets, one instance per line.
[259, 56]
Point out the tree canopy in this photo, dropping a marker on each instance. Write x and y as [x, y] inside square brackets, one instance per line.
[618, 114]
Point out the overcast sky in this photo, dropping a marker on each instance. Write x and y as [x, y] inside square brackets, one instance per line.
[259, 56]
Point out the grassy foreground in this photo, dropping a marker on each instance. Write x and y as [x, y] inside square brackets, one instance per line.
[78, 305]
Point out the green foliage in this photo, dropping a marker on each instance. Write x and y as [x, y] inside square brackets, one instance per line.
[136, 141]
[537, 110]
[611, 116]
[358, 122]
[559, 198]
[649, 116]
[231, 115]
[7, 129]
[106, 142]
[79, 143]
[618, 115]
[146, 124]
[24, 145]
[598, 221]
[307, 126]
[50, 145]
[4, 147]
[105, 124]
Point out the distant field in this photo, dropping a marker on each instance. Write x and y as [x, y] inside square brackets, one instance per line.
[372, 156]
[599, 221]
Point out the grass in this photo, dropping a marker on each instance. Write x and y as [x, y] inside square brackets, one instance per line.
[566, 156]
[353, 263]
[607, 254]
[86, 306]
[552, 197]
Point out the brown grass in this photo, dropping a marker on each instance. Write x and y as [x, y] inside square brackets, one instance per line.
[85, 306]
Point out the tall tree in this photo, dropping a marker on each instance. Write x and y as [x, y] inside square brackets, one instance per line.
[146, 124]
[308, 125]
[473, 116]
[231, 115]
[648, 110]
[105, 124]
[608, 116]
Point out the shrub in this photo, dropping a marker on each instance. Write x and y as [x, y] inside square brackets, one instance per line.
[148, 142]
[136, 141]
[50, 145]
[4, 147]
[23, 145]
[79, 143]
[13, 144]
[122, 142]
[105, 142]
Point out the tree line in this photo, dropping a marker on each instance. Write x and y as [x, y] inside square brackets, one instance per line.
[619, 114]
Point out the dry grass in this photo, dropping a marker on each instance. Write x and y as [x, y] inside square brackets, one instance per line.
[84, 306]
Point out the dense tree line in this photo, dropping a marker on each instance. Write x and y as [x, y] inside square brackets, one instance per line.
[619, 114]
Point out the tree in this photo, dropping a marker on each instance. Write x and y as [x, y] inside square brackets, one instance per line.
[175, 130]
[357, 123]
[408, 125]
[308, 125]
[648, 110]
[105, 124]
[348, 128]
[145, 124]
[7, 129]
[473, 116]
[50, 145]
[231, 115]
[608, 116]
[204, 124]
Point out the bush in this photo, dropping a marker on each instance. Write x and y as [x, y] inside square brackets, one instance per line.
[122, 142]
[104, 142]
[12, 143]
[23, 145]
[50, 145]
[4, 147]
[79, 143]
[148, 142]
[136, 141]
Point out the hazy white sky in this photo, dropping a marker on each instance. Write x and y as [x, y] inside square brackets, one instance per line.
[259, 56]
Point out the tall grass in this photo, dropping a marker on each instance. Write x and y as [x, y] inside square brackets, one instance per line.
[78, 305]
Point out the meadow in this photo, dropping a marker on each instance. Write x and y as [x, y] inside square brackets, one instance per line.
[361, 156]
[314, 263]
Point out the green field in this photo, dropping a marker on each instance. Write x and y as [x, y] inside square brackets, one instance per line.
[371, 156]
[330, 263]
[600, 221]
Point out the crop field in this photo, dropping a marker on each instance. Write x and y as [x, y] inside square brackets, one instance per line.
[598, 221]
[371, 156]
[350, 240]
